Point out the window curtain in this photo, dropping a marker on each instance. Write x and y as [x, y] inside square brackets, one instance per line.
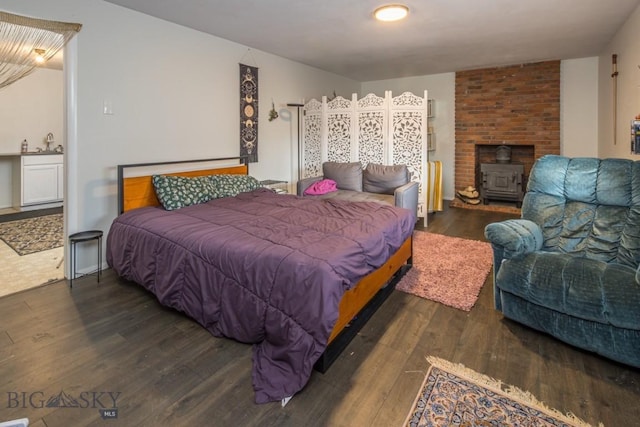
[20, 36]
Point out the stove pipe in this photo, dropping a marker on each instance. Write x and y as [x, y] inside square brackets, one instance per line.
[503, 154]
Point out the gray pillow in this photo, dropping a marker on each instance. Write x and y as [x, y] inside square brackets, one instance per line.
[384, 179]
[348, 176]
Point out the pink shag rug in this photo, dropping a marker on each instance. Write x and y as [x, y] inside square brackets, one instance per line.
[449, 270]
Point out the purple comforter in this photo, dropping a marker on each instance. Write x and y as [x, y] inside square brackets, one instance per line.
[260, 268]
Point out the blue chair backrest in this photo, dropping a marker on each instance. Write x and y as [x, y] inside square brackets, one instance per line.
[587, 207]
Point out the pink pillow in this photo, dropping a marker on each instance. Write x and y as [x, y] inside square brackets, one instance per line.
[323, 186]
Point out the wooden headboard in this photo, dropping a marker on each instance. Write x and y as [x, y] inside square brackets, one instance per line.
[137, 191]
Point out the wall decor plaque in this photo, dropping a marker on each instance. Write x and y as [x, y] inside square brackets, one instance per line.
[249, 112]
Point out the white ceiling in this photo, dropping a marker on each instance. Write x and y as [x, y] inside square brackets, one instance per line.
[342, 37]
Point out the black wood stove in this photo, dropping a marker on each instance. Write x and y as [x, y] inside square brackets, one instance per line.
[502, 180]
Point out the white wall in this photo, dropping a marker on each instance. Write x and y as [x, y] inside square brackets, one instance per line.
[441, 88]
[579, 107]
[29, 109]
[626, 44]
[174, 93]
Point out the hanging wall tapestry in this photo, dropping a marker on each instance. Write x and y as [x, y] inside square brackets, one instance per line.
[249, 112]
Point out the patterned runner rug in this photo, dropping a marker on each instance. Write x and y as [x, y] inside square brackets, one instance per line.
[27, 236]
[453, 395]
[449, 270]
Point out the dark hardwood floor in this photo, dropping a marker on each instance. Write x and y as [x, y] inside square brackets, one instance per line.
[100, 342]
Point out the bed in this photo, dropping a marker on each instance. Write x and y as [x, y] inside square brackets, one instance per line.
[295, 277]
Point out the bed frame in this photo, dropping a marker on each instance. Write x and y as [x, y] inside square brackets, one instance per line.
[356, 306]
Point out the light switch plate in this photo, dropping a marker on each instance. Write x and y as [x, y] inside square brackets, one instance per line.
[107, 107]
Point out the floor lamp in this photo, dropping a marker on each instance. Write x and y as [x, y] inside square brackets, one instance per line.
[298, 107]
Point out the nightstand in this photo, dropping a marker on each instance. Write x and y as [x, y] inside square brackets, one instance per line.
[84, 236]
[278, 186]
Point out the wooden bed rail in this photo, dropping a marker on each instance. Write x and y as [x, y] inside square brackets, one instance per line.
[361, 302]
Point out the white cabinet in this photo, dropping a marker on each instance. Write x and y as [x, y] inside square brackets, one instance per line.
[38, 180]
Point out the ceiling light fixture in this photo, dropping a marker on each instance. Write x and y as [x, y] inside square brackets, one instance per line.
[391, 12]
[39, 55]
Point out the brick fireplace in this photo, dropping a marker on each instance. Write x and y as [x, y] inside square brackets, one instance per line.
[517, 105]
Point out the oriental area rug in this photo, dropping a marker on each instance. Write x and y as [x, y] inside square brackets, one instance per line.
[27, 236]
[453, 395]
[448, 270]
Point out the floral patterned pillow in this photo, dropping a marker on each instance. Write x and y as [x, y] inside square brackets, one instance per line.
[232, 185]
[175, 192]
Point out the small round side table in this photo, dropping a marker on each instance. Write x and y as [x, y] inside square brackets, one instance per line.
[84, 236]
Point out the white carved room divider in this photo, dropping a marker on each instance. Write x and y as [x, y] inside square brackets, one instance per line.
[384, 130]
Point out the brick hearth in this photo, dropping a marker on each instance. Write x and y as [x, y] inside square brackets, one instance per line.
[493, 207]
[517, 105]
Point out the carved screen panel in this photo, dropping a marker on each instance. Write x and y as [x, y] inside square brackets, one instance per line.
[371, 140]
[408, 100]
[339, 130]
[408, 144]
[339, 137]
[312, 137]
[408, 139]
[372, 130]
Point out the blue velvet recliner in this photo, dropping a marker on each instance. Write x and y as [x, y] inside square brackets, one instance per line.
[569, 266]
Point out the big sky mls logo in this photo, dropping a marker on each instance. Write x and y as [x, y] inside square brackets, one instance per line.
[106, 402]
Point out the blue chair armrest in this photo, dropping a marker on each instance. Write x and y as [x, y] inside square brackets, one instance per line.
[305, 183]
[406, 196]
[516, 237]
[511, 239]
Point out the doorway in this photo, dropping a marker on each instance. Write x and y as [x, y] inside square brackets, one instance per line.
[33, 244]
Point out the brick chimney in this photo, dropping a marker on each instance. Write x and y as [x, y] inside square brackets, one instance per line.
[518, 106]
